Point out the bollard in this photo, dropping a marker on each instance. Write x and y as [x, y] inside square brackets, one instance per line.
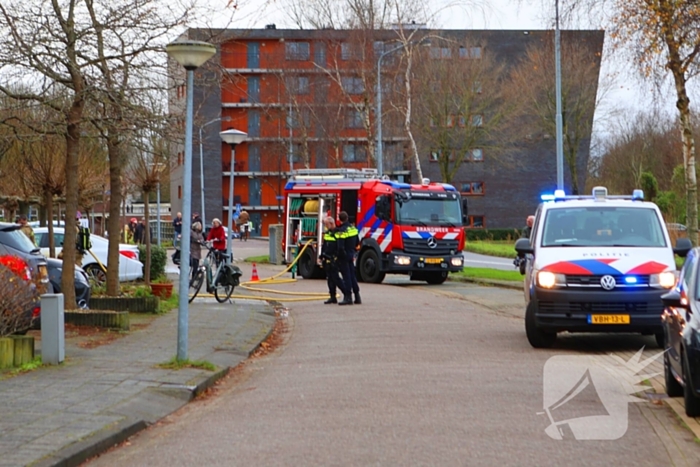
[53, 344]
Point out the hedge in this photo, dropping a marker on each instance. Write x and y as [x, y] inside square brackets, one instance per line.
[159, 257]
[493, 234]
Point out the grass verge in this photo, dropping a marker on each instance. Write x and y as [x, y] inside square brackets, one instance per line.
[164, 306]
[175, 364]
[488, 273]
[501, 249]
[258, 259]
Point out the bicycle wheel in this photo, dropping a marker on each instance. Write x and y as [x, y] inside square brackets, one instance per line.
[222, 292]
[196, 284]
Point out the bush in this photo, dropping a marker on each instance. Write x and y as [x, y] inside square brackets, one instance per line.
[159, 257]
[18, 296]
[493, 234]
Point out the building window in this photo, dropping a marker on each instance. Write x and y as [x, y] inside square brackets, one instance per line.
[477, 155]
[298, 85]
[354, 119]
[440, 52]
[352, 85]
[477, 120]
[433, 123]
[349, 51]
[476, 222]
[472, 188]
[450, 121]
[471, 52]
[299, 118]
[354, 153]
[434, 156]
[297, 153]
[476, 87]
[297, 50]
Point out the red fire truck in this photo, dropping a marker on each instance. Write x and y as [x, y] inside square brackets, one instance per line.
[404, 229]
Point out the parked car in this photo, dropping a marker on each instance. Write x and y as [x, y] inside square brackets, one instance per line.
[14, 242]
[130, 268]
[681, 322]
[82, 283]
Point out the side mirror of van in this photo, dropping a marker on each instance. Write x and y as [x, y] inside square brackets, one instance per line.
[683, 246]
[524, 247]
[673, 299]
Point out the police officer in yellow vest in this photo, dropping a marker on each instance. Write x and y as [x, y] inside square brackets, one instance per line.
[329, 257]
[348, 241]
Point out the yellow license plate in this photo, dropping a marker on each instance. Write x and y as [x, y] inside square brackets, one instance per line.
[609, 319]
[433, 260]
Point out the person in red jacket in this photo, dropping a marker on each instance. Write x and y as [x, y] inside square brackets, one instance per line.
[217, 236]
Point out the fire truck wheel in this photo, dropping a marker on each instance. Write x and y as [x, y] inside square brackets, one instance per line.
[436, 277]
[306, 266]
[368, 267]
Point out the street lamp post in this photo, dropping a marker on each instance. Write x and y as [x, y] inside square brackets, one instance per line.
[201, 165]
[559, 120]
[379, 150]
[158, 205]
[191, 55]
[232, 138]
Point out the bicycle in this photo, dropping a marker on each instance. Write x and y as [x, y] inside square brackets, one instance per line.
[221, 278]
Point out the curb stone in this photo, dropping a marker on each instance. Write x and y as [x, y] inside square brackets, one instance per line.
[675, 404]
[491, 282]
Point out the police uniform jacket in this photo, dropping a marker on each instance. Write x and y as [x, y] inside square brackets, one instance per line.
[348, 240]
[329, 250]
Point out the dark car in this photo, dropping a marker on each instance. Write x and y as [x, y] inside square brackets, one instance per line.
[681, 323]
[82, 283]
[13, 242]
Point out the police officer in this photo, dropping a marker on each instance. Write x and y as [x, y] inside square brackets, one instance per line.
[348, 240]
[329, 255]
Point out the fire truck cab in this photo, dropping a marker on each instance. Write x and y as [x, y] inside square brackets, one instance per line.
[403, 229]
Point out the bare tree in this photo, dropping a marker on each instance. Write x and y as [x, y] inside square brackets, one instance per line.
[532, 87]
[461, 106]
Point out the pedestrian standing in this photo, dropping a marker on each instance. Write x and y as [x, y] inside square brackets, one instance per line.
[196, 240]
[26, 228]
[348, 241]
[243, 222]
[140, 232]
[177, 229]
[329, 256]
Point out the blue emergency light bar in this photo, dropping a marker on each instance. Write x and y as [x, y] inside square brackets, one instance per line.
[599, 193]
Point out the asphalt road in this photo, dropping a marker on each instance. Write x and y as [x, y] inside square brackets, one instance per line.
[417, 375]
[482, 261]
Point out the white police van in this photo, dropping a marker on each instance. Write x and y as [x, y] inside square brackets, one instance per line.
[597, 264]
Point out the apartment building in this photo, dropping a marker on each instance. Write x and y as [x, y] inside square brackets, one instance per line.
[307, 99]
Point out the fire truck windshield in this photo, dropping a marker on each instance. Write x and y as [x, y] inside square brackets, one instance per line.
[428, 211]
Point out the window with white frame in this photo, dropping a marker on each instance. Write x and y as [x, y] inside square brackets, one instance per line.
[477, 120]
[477, 154]
[297, 50]
[470, 52]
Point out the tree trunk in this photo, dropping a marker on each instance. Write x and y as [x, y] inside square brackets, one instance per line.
[147, 233]
[48, 206]
[691, 183]
[407, 120]
[69, 240]
[115, 225]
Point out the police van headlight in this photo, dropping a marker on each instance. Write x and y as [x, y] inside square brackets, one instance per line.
[402, 260]
[665, 279]
[456, 261]
[548, 279]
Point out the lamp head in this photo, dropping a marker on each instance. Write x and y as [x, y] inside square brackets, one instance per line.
[233, 137]
[190, 54]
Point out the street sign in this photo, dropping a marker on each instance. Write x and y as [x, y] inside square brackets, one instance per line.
[279, 197]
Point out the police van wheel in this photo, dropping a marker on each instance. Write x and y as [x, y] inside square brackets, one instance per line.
[537, 338]
[369, 267]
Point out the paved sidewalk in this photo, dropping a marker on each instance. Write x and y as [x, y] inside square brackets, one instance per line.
[98, 397]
